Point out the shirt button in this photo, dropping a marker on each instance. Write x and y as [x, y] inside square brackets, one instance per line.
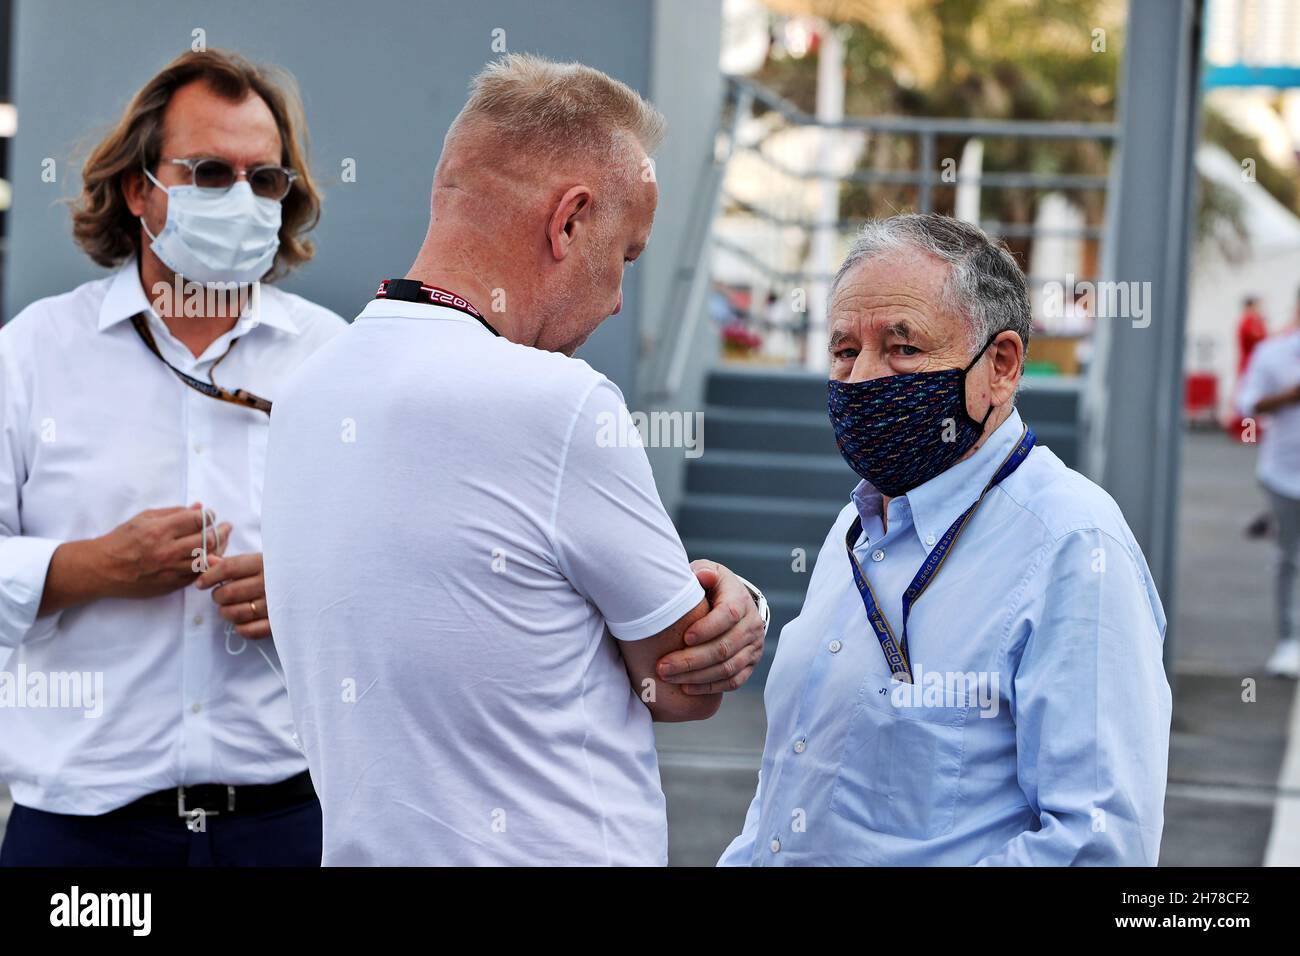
[929, 540]
[198, 619]
[877, 555]
[195, 708]
[198, 449]
[776, 845]
[800, 745]
[835, 646]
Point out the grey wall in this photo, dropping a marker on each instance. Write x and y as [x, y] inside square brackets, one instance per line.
[686, 85]
[381, 82]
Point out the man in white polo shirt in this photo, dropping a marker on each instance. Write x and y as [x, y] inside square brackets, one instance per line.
[456, 524]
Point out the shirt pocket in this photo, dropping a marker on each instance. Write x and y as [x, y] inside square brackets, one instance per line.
[900, 765]
[258, 433]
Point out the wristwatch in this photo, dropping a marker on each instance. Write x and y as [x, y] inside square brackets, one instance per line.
[759, 601]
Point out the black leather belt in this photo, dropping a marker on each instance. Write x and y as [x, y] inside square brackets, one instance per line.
[195, 804]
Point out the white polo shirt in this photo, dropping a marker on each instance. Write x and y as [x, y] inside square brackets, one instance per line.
[452, 533]
[1274, 367]
[93, 430]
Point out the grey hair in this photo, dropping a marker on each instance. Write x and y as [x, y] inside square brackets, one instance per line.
[984, 282]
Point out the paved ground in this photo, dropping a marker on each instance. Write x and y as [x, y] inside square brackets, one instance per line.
[1225, 754]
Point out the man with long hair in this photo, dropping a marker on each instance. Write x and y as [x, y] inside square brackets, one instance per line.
[133, 424]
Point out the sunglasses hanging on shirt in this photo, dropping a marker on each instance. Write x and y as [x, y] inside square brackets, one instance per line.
[236, 397]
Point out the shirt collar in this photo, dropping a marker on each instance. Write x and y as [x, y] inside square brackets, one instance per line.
[126, 298]
[937, 503]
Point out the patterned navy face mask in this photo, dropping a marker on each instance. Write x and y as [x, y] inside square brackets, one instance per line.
[899, 431]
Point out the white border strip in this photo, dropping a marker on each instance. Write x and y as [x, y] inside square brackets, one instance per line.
[1284, 840]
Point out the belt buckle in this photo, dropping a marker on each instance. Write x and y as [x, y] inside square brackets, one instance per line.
[196, 818]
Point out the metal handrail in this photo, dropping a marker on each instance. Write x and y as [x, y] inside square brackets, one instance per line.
[930, 177]
[1035, 129]
[678, 330]
[799, 277]
[996, 229]
[687, 299]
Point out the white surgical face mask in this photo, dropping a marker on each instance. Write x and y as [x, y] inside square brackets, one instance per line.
[209, 236]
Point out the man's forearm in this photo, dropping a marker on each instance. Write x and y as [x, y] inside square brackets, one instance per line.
[74, 577]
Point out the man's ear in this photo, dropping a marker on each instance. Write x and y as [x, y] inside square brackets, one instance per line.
[570, 216]
[133, 186]
[1007, 354]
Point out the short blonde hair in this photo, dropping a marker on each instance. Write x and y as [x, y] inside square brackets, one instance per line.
[544, 108]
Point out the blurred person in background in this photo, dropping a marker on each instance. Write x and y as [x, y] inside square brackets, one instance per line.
[1251, 331]
[1271, 389]
[112, 418]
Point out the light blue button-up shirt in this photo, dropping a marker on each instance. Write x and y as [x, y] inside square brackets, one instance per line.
[1037, 729]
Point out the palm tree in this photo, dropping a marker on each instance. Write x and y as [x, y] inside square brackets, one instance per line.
[995, 59]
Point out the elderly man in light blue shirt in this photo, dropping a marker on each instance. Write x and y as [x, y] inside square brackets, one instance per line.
[976, 674]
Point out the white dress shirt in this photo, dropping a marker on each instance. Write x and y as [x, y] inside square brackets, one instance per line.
[1274, 367]
[1036, 731]
[93, 430]
[454, 527]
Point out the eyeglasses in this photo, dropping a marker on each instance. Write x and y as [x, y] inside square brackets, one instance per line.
[269, 182]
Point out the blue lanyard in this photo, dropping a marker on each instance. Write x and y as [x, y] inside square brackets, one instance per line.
[895, 651]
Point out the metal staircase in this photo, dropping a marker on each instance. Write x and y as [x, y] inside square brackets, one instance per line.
[769, 485]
